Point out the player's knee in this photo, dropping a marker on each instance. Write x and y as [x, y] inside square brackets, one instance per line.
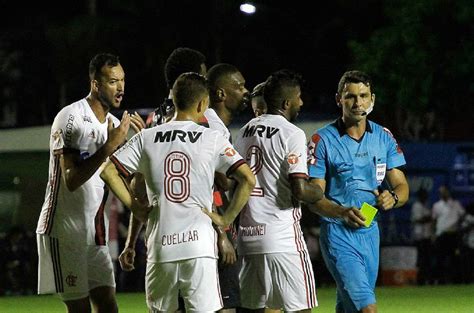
[78, 306]
[371, 308]
[103, 299]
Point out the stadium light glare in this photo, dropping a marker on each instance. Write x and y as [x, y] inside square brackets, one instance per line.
[247, 8]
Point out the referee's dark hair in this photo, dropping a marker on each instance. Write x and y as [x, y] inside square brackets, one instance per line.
[354, 77]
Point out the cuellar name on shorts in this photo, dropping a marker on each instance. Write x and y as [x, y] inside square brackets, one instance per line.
[177, 238]
[172, 135]
[260, 130]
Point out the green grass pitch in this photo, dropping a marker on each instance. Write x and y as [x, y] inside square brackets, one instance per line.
[427, 299]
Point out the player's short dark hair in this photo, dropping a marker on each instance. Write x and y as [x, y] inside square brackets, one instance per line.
[278, 85]
[258, 90]
[219, 71]
[353, 77]
[188, 89]
[182, 60]
[98, 61]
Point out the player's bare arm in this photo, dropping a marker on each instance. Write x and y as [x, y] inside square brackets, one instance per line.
[76, 171]
[136, 184]
[117, 184]
[245, 184]
[398, 196]
[127, 257]
[303, 191]
[327, 208]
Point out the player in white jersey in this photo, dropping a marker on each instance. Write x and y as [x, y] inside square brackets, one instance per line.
[178, 160]
[228, 97]
[72, 228]
[277, 271]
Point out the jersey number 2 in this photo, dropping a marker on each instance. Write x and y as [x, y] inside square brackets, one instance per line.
[254, 159]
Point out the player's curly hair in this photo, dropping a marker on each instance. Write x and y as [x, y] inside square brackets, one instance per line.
[278, 85]
[182, 60]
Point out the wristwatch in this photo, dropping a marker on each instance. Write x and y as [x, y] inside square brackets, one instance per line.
[395, 197]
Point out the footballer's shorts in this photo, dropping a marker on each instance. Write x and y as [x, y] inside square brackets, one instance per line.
[278, 281]
[352, 257]
[70, 269]
[196, 280]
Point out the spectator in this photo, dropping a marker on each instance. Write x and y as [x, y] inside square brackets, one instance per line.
[422, 233]
[447, 213]
[467, 245]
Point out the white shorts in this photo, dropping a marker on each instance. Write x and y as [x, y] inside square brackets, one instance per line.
[71, 270]
[196, 280]
[277, 281]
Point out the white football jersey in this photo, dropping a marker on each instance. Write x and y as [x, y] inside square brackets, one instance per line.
[275, 149]
[76, 216]
[179, 159]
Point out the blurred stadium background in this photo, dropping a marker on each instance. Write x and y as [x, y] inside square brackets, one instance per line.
[420, 54]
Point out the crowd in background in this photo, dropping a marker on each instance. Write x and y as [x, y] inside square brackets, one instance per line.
[445, 249]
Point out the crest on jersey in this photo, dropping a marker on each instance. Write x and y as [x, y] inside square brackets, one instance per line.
[293, 158]
[92, 134]
[229, 152]
[71, 280]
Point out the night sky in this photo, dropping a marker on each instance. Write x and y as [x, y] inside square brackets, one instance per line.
[44, 52]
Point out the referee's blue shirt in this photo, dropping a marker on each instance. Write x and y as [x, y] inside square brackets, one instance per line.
[353, 169]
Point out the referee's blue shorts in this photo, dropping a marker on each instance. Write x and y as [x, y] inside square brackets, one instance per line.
[352, 257]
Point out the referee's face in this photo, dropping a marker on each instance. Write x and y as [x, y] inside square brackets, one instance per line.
[355, 99]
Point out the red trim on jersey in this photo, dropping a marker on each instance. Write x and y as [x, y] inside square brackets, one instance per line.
[298, 175]
[53, 197]
[234, 167]
[122, 170]
[203, 120]
[99, 220]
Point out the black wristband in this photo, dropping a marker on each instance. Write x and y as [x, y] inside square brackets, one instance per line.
[395, 197]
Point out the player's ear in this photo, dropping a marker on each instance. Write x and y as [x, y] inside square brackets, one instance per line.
[95, 85]
[338, 100]
[372, 99]
[286, 104]
[220, 93]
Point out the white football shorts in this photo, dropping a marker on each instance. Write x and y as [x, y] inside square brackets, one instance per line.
[278, 281]
[71, 270]
[196, 280]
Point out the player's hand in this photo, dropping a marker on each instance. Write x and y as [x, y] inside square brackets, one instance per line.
[385, 200]
[216, 218]
[136, 122]
[353, 217]
[226, 250]
[126, 259]
[116, 136]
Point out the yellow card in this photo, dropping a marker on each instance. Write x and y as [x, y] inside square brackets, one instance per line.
[368, 212]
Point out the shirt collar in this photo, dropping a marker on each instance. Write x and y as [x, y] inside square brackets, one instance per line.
[339, 123]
